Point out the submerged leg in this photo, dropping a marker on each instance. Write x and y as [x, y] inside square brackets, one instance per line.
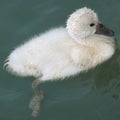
[35, 84]
[35, 103]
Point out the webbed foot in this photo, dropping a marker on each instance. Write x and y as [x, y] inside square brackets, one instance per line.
[35, 103]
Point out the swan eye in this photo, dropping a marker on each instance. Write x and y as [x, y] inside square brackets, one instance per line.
[92, 24]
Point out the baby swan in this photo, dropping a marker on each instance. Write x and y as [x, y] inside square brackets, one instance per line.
[62, 52]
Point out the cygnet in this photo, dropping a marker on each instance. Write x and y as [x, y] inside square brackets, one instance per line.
[64, 51]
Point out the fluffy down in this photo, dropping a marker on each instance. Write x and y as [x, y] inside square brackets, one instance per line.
[62, 52]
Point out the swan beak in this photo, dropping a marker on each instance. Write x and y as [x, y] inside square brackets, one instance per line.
[101, 29]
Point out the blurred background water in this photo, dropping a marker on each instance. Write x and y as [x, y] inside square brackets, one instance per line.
[93, 95]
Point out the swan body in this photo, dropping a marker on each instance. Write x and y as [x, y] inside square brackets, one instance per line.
[62, 52]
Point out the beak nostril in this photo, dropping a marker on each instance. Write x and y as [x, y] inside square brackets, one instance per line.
[99, 25]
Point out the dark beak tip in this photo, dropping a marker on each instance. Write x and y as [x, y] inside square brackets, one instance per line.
[112, 33]
[101, 29]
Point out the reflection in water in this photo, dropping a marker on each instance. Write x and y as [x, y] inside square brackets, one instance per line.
[107, 76]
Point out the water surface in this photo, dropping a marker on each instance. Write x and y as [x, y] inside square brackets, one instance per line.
[94, 95]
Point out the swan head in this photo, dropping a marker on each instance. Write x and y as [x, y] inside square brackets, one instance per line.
[83, 23]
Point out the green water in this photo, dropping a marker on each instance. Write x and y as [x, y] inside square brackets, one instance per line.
[94, 95]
